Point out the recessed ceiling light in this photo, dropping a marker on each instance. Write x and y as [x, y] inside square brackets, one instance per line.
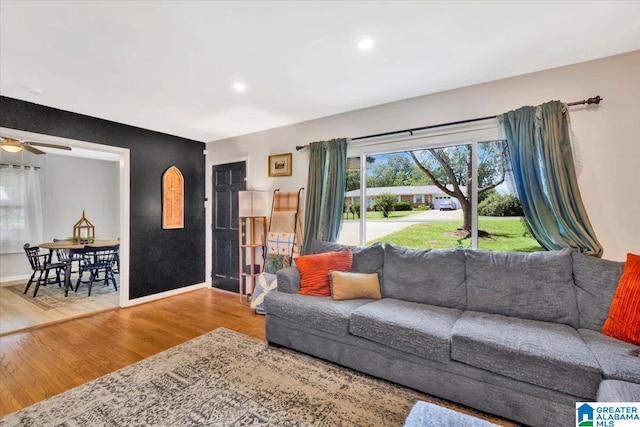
[36, 90]
[239, 87]
[365, 44]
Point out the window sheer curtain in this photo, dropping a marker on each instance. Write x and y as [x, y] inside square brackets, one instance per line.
[325, 191]
[545, 178]
[20, 208]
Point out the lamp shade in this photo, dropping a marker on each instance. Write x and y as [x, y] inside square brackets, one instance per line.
[252, 203]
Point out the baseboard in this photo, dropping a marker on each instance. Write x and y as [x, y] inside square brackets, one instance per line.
[13, 278]
[165, 294]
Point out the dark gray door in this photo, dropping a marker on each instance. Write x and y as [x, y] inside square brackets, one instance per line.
[228, 179]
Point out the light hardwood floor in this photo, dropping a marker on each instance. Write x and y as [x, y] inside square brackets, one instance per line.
[40, 363]
[16, 314]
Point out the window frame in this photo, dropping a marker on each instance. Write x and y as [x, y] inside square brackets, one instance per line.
[464, 134]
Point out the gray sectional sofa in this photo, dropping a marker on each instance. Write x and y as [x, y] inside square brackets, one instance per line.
[512, 334]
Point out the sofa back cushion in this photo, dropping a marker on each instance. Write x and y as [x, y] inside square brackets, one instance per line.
[366, 259]
[433, 277]
[536, 286]
[596, 281]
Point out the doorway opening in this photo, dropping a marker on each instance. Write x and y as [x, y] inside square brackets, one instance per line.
[119, 158]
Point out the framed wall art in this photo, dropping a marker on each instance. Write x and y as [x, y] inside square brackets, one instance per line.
[281, 164]
[172, 199]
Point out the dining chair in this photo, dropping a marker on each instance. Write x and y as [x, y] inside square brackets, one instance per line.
[41, 265]
[116, 270]
[63, 255]
[95, 261]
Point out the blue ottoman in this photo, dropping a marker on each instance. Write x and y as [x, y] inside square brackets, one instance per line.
[427, 414]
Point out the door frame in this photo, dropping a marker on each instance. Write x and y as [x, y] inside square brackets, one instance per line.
[209, 208]
[124, 178]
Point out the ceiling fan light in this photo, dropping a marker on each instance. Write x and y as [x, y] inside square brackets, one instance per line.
[11, 148]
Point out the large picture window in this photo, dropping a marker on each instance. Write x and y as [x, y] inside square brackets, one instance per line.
[20, 208]
[433, 193]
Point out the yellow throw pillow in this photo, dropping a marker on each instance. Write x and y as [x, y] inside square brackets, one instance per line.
[346, 285]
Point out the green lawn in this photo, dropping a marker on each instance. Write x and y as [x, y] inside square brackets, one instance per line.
[378, 215]
[504, 234]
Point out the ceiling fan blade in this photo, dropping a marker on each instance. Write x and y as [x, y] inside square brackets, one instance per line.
[31, 149]
[9, 141]
[41, 144]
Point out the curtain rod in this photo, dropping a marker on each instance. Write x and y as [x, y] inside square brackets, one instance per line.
[595, 100]
[18, 166]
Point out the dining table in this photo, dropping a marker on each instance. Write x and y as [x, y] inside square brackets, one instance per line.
[72, 247]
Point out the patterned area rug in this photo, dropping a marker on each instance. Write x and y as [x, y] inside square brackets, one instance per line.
[224, 378]
[52, 296]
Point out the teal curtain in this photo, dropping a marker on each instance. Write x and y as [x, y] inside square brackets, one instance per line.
[545, 179]
[325, 191]
[315, 186]
[335, 187]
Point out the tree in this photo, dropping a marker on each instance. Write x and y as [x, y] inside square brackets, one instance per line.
[449, 169]
[385, 202]
[500, 205]
[396, 170]
[353, 180]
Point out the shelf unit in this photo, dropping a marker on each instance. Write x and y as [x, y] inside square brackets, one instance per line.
[249, 244]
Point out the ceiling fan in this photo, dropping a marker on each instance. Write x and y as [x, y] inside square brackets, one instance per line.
[15, 145]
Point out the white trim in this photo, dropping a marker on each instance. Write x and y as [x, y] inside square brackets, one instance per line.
[229, 160]
[172, 292]
[125, 167]
[14, 278]
[455, 135]
[474, 194]
[363, 200]
[208, 190]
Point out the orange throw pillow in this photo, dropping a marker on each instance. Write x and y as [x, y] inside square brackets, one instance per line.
[314, 271]
[624, 315]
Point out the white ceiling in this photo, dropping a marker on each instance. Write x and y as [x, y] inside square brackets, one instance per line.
[170, 66]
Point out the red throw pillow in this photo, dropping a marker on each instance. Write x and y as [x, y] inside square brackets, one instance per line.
[624, 315]
[314, 271]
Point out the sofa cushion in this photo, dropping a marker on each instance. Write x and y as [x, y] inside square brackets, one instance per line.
[549, 355]
[618, 391]
[596, 281]
[420, 329]
[536, 286]
[315, 312]
[366, 259]
[619, 360]
[433, 277]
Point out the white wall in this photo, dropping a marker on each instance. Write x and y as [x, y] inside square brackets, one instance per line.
[69, 185]
[73, 184]
[608, 136]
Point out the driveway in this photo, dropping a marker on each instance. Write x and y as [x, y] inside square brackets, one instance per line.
[377, 228]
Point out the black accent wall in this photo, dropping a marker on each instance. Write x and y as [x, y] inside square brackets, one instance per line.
[160, 260]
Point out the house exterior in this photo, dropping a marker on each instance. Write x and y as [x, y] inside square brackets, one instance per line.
[415, 195]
